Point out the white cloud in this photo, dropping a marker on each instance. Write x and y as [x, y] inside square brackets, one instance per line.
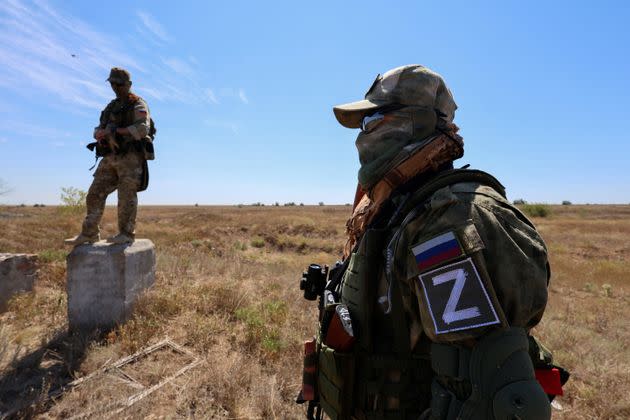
[178, 66]
[211, 96]
[154, 93]
[49, 54]
[153, 27]
[176, 93]
[31, 130]
[52, 57]
[241, 94]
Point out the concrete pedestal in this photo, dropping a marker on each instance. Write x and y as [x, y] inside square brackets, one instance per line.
[104, 281]
[17, 274]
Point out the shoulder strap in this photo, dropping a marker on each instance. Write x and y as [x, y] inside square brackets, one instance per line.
[104, 119]
[456, 176]
[443, 179]
[127, 110]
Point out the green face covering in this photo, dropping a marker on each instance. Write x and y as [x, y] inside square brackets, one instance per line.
[379, 147]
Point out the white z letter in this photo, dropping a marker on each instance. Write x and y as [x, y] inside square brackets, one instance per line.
[450, 314]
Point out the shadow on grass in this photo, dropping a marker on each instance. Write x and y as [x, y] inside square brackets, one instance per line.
[27, 387]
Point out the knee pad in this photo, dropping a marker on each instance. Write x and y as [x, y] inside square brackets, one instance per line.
[493, 380]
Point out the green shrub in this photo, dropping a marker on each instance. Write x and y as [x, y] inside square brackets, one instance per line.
[272, 341]
[73, 200]
[607, 290]
[240, 246]
[257, 242]
[263, 323]
[51, 255]
[536, 210]
[251, 316]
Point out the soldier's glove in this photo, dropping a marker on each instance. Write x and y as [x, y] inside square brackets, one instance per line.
[493, 380]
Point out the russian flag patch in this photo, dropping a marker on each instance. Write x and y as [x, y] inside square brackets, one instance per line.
[437, 250]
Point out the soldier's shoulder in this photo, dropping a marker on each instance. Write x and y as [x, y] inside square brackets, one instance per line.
[472, 196]
[476, 213]
[112, 103]
[461, 186]
[139, 104]
[134, 98]
[478, 193]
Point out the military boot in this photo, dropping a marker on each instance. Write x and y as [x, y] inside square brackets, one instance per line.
[82, 239]
[121, 238]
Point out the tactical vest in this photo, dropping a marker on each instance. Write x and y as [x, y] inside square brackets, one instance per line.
[122, 114]
[382, 378]
[118, 113]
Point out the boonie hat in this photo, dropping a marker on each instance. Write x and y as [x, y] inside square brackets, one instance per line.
[410, 85]
[119, 75]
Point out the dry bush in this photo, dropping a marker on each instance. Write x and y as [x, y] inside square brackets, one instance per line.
[227, 288]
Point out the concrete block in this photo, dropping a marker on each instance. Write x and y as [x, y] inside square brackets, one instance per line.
[17, 274]
[104, 281]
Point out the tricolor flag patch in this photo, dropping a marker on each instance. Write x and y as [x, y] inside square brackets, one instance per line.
[437, 250]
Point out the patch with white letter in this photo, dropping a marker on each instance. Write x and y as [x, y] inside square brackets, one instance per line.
[457, 298]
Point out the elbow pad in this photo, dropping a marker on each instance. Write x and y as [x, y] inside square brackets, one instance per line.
[493, 380]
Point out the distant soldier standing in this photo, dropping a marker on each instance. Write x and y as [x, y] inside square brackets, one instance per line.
[124, 139]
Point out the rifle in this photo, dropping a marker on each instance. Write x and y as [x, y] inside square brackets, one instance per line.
[322, 284]
[110, 138]
[105, 146]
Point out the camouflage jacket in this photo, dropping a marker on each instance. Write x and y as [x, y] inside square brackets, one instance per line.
[445, 262]
[472, 227]
[467, 260]
[133, 114]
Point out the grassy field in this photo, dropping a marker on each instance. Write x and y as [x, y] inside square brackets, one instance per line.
[227, 289]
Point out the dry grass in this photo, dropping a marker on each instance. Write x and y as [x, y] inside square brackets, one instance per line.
[227, 288]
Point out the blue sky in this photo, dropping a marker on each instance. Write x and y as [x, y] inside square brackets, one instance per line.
[242, 92]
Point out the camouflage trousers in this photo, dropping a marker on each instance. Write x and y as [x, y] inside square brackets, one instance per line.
[121, 172]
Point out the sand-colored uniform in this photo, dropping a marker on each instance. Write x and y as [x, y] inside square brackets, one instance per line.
[121, 171]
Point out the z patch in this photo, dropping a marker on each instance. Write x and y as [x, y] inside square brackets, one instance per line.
[457, 298]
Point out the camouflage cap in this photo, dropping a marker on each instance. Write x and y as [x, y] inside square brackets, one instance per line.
[410, 85]
[119, 75]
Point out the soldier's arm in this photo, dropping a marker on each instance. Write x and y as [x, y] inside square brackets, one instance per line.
[140, 127]
[479, 274]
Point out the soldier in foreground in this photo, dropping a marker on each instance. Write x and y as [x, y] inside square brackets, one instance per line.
[429, 314]
[124, 138]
